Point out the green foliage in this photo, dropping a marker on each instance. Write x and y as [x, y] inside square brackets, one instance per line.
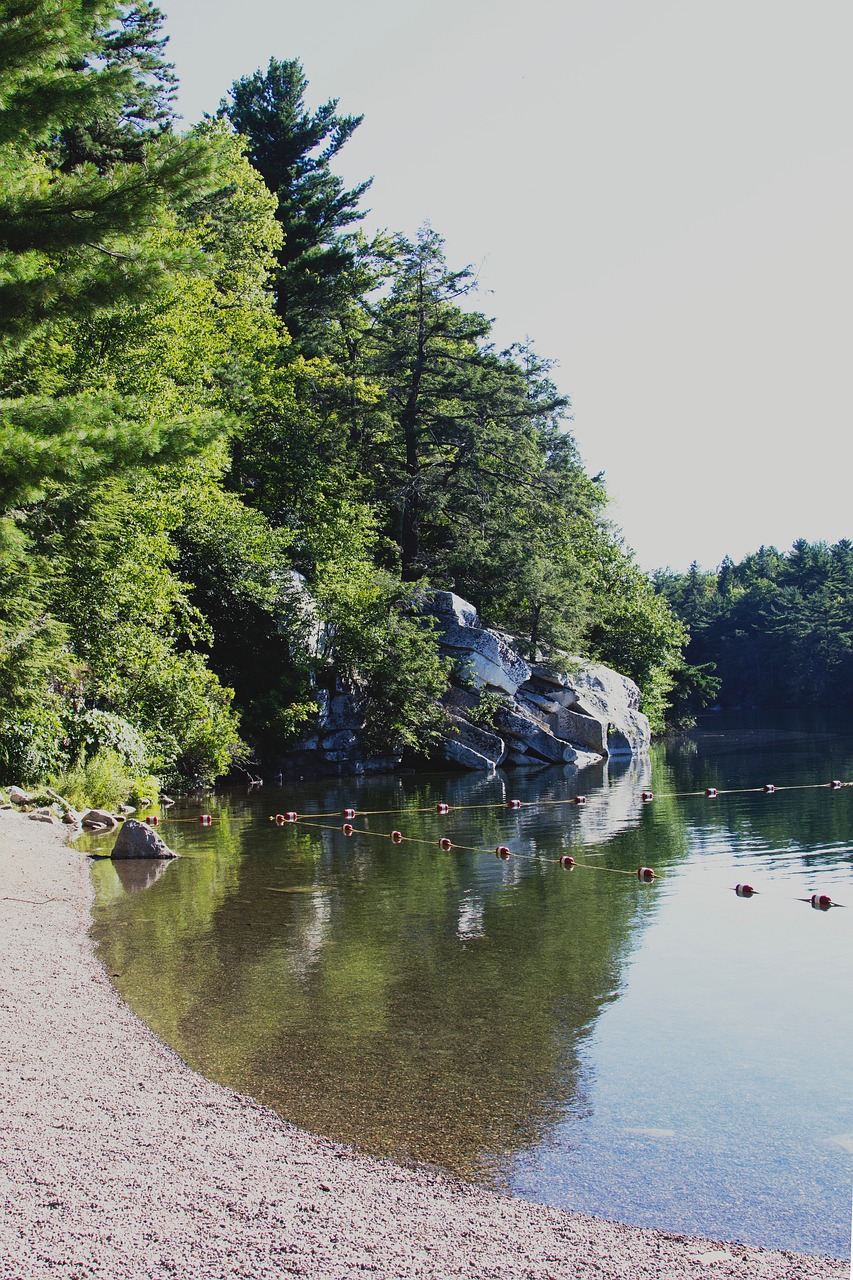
[777, 626]
[292, 148]
[634, 629]
[102, 780]
[96, 730]
[205, 515]
[31, 746]
[488, 706]
[383, 651]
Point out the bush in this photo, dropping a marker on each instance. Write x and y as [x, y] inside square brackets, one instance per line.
[31, 747]
[98, 730]
[102, 780]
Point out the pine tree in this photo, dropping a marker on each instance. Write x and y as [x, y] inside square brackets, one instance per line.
[132, 48]
[292, 148]
[78, 244]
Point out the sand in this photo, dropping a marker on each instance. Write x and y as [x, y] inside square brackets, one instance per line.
[117, 1160]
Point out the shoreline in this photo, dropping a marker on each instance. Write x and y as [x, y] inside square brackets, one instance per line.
[119, 1161]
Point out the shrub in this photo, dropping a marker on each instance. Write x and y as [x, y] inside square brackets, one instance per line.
[31, 747]
[103, 780]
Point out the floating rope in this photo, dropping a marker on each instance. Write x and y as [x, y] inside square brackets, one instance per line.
[443, 808]
[819, 901]
[711, 793]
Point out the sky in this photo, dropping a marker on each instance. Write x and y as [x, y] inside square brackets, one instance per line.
[659, 194]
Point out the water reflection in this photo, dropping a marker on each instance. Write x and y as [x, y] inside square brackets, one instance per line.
[425, 1005]
[458, 1009]
[137, 874]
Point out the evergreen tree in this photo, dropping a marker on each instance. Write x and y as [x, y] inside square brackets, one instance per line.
[778, 627]
[130, 47]
[75, 245]
[293, 148]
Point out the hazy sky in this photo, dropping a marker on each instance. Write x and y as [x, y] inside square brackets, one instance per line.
[656, 192]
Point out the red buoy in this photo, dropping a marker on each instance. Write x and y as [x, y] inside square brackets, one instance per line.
[647, 795]
[768, 788]
[580, 799]
[646, 874]
[205, 820]
[744, 890]
[442, 808]
[291, 816]
[153, 820]
[348, 813]
[514, 804]
[835, 785]
[397, 836]
[821, 901]
[711, 793]
[445, 844]
[567, 862]
[279, 819]
[502, 852]
[347, 829]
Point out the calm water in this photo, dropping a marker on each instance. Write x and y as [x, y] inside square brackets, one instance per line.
[667, 1054]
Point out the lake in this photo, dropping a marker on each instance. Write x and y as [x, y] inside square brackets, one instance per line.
[668, 1053]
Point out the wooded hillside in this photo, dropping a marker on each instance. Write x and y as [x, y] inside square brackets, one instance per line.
[212, 380]
[775, 630]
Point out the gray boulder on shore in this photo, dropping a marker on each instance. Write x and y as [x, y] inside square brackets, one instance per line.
[137, 840]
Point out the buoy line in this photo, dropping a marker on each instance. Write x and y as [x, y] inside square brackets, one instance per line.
[447, 845]
[646, 875]
[710, 793]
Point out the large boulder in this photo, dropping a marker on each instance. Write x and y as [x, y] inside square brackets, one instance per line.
[526, 736]
[138, 840]
[485, 658]
[471, 746]
[615, 700]
[561, 717]
[449, 609]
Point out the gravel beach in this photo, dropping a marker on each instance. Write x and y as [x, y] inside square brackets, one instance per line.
[116, 1160]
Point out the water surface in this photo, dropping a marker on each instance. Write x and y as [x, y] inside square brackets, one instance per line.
[667, 1054]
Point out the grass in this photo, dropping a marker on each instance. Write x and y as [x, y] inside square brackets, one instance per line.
[103, 780]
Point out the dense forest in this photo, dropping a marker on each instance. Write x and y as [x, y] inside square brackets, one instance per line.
[774, 631]
[215, 390]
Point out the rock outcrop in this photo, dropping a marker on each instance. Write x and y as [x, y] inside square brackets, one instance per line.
[542, 715]
[501, 709]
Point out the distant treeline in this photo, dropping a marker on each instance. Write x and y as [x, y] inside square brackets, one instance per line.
[212, 381]
[776, 630]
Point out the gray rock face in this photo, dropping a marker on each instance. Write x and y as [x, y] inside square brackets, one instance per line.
[523, 730]
[138, 840]
[472, 747]
[451, 610]
[485, 658]
[576, 718]
[615, 700]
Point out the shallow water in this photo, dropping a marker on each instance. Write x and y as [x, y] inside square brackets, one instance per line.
[667, 1054]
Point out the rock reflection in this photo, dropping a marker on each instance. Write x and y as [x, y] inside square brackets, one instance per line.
[140, 873]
